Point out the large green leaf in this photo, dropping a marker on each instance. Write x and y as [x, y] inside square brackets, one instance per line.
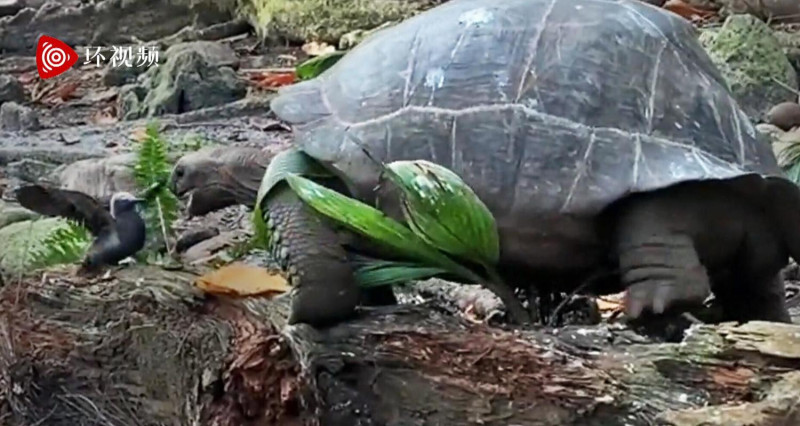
[384, 272]
[317, 65]
[444, 211]
[290, 161]
[372, 223]
[793, 173]
[286, 162]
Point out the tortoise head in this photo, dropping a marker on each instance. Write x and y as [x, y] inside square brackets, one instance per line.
[211, 179]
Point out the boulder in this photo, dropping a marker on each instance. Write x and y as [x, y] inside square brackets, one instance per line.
[109, 22]
[194, 76]
[12, 213]
[24, 240]
[98, 177]
[752, 62]
[11, 89]
[10, 7]
[321, 20]
[776, 11]
[15, 117]
[29, 169]
[790, 42]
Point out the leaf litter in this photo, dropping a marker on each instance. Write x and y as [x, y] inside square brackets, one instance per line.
[476, 359]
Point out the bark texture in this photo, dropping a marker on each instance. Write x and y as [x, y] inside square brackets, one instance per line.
[146, 348]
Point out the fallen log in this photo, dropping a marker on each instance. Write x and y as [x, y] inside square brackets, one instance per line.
[145, 347]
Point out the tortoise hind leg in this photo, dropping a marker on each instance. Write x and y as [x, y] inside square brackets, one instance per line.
[755, 290]
[659, 265]
[324, 287]
[756, 300]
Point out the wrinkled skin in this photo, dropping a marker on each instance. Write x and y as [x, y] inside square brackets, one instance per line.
[316, 255]
[215, 178]
[310, 251]
[677, 245]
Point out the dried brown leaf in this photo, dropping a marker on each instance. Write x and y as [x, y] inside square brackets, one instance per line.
[314, 48]
[239, 279]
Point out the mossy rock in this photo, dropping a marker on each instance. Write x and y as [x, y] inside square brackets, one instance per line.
[753, 63]
[322, 20]
[196, 75]
[23, 240]
[11, 213]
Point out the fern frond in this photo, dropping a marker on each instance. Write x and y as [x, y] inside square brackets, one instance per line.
[65, 244]
[153, 166]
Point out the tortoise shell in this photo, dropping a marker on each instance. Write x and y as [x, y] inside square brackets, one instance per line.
[544, 107]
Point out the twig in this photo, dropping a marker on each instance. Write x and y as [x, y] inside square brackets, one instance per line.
[554, 315]
[786, 86]
[163, 225]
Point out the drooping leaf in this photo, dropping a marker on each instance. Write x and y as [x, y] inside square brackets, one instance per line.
[239, 279]
[372, 223]
[793, 173]
[315, 66]
[384, 272]
[444, 211]
[289, 161]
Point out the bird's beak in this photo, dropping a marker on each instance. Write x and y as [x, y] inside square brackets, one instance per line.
[139, 200]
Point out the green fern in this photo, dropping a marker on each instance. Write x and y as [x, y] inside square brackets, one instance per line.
[153, 166]
[65, 244]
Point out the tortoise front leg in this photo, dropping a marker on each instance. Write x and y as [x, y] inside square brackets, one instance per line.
[310, 253]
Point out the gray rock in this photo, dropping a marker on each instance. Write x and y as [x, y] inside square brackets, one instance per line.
[104, 23]
[214, 53]
[12, 213]
[753, 63]
[29, 170]
[120, 76]
[195, 76]
[10, 7]
[16, 117]
[193, 237]
[98, 177]
[773, 11]
[790, 41]
[11, 89]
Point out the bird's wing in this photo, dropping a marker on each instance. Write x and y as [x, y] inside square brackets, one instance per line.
[55, 202]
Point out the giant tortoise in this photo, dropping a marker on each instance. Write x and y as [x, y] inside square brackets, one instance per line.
[598, 133]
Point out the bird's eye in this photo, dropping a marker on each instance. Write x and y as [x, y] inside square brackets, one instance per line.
[179, 172]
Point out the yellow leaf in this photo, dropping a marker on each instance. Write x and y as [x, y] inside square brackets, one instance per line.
[610, 302]
[239, 279]
[314, 48]
[139, 135]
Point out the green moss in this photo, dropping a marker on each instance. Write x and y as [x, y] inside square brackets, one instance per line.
[752, 61]
[323, 20]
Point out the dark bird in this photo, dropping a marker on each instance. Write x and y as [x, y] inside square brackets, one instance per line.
[118, 228]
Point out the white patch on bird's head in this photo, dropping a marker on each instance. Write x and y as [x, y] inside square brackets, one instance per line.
[123, 201]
